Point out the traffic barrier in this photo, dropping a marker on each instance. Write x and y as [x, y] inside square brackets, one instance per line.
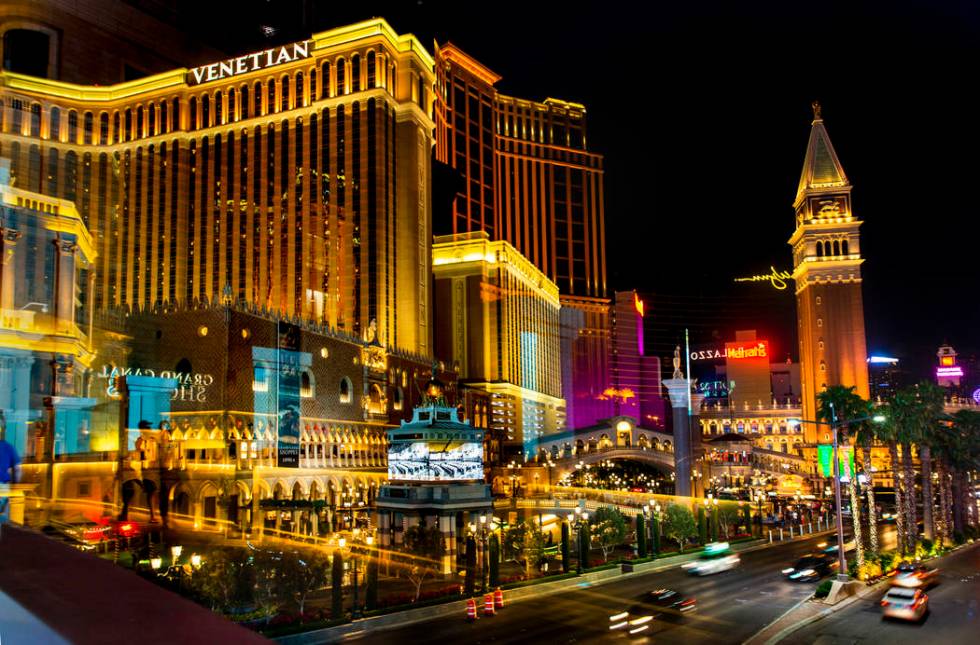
[498, 599]
[488, 609]
[471, 610]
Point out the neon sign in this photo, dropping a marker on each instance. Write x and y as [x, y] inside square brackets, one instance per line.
[756, 349]
[249, 63]
[775, 278]
[638, 304]
[976, 395]
[948, 372]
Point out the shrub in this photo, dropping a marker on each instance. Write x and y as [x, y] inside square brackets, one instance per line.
[870, 570]
[958, 537]
[927, 545]
[888, 561]
[823, 589]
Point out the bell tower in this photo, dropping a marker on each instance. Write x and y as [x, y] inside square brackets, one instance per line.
[827, 270]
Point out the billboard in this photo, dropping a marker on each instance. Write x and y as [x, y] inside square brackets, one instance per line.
[435, 461]
[287, 395]
[845, 454]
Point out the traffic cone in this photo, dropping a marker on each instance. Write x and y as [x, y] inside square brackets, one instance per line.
[488, 609]
[498, 599]
[471, 610]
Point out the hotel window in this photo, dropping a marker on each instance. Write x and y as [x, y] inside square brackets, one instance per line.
[284, 94]
[164, 122]
[306, 389]
[819, 322]
[355, 73]
[232, 105]
[245, 104]
[270, 96]
[26, 51]
[819, 300]
[257, 99]
[140, 112]
[54, 124]
[341, 77]
[88, 128]
[300, 90]
[325, 80]
[313, 91]
[103, 128]
[345, 390]
[193, 123]
[843, 248]
[72, 126]
[372, 75]
[206, 111]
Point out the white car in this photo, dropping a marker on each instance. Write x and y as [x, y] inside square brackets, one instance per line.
[905, 604]
[715, 558]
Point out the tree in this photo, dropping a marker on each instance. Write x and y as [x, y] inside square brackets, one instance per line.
[371, 586]
[584, 546]
[890, 434]
[747, 517]
[702, 525]
[337, 585]
[494, 547]
[225, 578]
[426, 544]
[837, 405]
[728, 519]
[470, 566]
[679, 524]
[524, 544]
[641, 536]
[866, 434]
[609, 528]
[301, 576]
[655, 534]
[565, 551]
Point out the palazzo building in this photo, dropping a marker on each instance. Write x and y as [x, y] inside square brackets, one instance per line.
[529, 178]
[497, 320]
[827, 270]
[294, 178]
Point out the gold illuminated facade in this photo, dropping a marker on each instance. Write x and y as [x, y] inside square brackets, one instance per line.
[498, 322]
[295, 179]
[827, 270]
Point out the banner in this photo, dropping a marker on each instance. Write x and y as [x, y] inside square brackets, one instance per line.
[287, 395]
[845, 454]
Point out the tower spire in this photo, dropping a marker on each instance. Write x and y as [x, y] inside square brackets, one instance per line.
[821, 167]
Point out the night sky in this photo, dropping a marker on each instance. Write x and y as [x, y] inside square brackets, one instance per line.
[703, 118]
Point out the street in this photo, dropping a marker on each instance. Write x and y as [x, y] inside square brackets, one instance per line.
[731, 607]
[954, 612]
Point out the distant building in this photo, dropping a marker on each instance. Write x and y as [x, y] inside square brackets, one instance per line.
[886, 376]
[635, 388]
[949, 374]
[497, 321]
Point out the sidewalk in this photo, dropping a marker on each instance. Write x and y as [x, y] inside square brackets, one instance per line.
[402, 618]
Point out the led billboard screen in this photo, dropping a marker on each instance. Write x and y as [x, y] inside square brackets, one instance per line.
[435, 461]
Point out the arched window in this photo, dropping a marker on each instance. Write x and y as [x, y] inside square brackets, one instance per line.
[27, 51]
[219, 112]
[836, 248]
[345, 390]
[372, 74]
[257, 98]
[88, 128]
[139, 122]
[35, 119]
[116, 129]
[399, 398]
[72, 126]
[355, 73]
[206, 111]
[270, 96]
[127, 125]
[193, 124]
[284, 94]
[325, 80]
[819, 249]
[175, 114]
[232, 105]
[245, 105]
[313, 90]
[183, 366]
[306, 385]
[341, 77]
[164, 122]
[300, 90]
[103, 129]
[54, 124]
[152, 125]
[843, 248]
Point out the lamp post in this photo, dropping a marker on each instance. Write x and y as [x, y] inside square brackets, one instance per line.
[580, 518]
[482, 531]
[369, 542]
[838, 515]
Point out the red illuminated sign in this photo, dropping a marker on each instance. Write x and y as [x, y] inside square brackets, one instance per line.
[735, 351]
[947, 361]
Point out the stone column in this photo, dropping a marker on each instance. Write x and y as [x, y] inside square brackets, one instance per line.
[64, 307]
[679, 392]
[7, 285]
[697, 448]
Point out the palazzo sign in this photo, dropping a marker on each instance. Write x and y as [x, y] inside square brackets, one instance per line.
[249, 63]
[737, 351]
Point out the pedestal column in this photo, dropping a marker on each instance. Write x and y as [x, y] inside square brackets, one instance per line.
[686, 433]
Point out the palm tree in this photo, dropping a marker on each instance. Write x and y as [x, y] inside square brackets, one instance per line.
[930, 411]
[889, 434]
[866, 436]
[961, 451]
[838, 404]
[904, 414]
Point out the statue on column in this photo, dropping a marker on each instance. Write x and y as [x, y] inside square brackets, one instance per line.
[677, 363]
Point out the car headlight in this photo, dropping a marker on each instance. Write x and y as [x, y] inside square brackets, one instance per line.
[790, 570]
[807, 572]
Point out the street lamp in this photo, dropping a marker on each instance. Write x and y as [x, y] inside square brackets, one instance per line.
[839, 516]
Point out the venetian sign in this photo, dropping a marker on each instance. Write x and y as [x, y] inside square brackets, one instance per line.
[775, 277]
[249, 63]
[753, 349]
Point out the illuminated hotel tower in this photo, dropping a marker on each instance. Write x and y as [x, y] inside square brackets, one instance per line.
[296, 179]
[827, 269]
[529, 179]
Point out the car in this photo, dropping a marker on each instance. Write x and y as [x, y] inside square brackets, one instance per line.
[915, 576]
[666, 604]
[811, 567]
[905, 604]
[632, 622]
[716, 558]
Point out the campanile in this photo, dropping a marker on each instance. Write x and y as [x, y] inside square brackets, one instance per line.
[827, 270]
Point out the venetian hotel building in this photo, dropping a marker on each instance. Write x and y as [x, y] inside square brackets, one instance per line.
[294, 179]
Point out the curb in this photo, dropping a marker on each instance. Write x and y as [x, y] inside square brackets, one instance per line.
[350, 631]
